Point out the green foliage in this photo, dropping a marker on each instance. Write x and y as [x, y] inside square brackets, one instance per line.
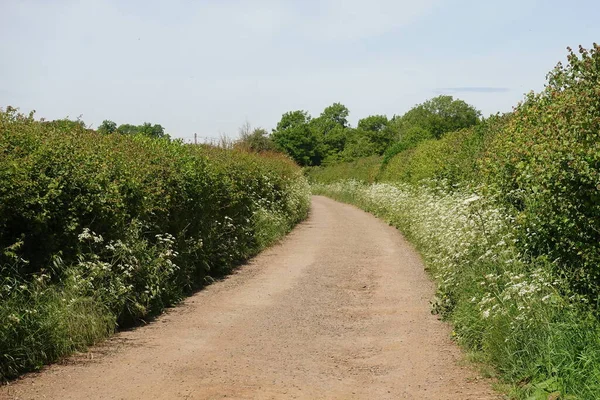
[331, 127]
[107, 127]
[336, 114]
[430, 120]
[358, 145]
[453, 158]
[329, 138]
[98, 230]
[127, 129]
[293, 119]
[373, 123]
[442, 114]
[333, 143]
[377, 131]
[256, 140]
[295, 137]
[147, 129]
[545, 166]
[409, 139]
[363, 170]
[154, 131]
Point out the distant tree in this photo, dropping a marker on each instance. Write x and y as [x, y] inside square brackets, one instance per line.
[155, 131]
[127, 129]
[295, 137]
[331, 128]
[257, 140]
[66, 124]
[373, 123]
[333, 142]
[146, 129]
[410, 137]
[336, 113]
[293, 119]
[358, 145]
[429, 120]
[442, 114]
[376, 128]
[107, 127]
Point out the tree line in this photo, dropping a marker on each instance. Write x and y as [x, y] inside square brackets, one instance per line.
[147, 129]
[329, 138]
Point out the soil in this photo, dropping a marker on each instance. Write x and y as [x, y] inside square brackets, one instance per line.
[338, 310]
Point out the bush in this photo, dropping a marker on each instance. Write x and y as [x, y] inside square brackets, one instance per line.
[453, 158]
[364, 170]
[545, 166]
[121, 227]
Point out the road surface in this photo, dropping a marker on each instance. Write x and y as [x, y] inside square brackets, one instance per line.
[337, 310]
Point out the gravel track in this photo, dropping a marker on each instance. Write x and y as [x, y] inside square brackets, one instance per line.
[338, 310]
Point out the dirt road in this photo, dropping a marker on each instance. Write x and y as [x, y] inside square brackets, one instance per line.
[338, 310]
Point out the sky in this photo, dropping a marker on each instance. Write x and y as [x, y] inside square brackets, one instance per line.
[209, 66]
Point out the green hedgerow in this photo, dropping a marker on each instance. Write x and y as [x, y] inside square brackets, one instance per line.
[119, 227]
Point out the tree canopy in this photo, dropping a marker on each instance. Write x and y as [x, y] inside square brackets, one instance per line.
[107, 127]
[146, 129]
[330, 137]
[442, 114]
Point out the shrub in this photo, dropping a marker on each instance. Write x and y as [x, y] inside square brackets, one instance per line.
[453, 158]
[120, 227]
[363, 169]
[545, 166]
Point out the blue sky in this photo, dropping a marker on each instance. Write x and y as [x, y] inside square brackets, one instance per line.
[209, 66]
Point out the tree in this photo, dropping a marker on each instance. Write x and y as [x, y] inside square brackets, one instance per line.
[358, 145]
[295, 137]
[66, 124]
[256, 140]
[410, 137]
[331, 127]
[442, 114]
[107, 127]
[155, 131]
[373, 123]
[377, 130]
[147, 129]
[333, 142]
[127, 129]
[293, 119]
[336, 113]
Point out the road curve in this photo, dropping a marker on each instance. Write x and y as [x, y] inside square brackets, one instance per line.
[337, 310]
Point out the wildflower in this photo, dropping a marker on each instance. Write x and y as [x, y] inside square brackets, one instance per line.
[471, 200]
[14, 318]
